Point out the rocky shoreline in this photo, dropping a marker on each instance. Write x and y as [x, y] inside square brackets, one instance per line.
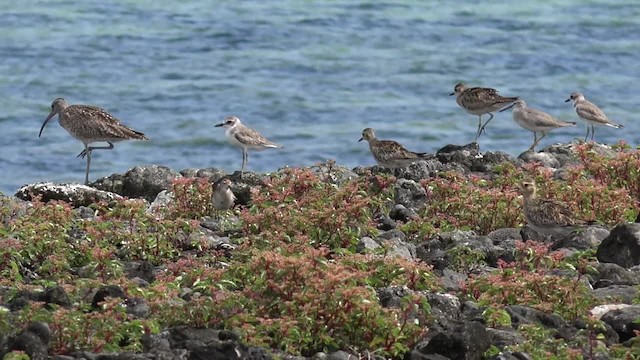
[458, 326]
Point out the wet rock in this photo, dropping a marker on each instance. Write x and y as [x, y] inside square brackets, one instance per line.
[464, 341]
[410, 194]
[622, 246]
[587, 238]
[624, 321]
[75, 194]
[140, 269]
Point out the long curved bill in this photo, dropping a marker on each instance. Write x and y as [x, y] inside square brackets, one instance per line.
[507, 108]
[51, 114]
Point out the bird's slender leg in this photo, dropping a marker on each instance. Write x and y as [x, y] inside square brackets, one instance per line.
[587, 136]
[540, 138]
[593, 131]
[244, 160]
[535, 141]
[482, 130]
[479, 128]
[87, 152]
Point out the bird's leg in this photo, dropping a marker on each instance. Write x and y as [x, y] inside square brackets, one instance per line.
[244, 160]
[479, 128]
[587, 136]
[535, 141]
[87, 150]
[482, 130]
[593, 131]
[88, 154]
[538, 140]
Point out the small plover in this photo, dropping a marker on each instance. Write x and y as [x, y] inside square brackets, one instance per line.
[480, 101]
[535, 120]
[590, 113]
[389, 153]
[548, 217]
[223, 198]
[245, 138]
[90, 124]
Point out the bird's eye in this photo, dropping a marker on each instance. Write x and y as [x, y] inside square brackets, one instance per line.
[51, 106]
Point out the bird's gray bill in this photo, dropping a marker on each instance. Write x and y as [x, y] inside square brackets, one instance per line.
[569, 99]
[453, 93]
[507, 108]
[45, 122]
[218, 125]
[361, 139]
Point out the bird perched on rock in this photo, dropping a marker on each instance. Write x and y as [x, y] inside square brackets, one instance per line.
[480, 101]
[590, 113]
[548, 217]
[90, 124]
[389, 153]
[245, 138]
[223, 198]
[535, 120]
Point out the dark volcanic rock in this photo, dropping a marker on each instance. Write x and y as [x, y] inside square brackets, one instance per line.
[587, 238]
[527, 315]
[55, 295]
[545, 158]
[613, 274]
[462, 155]
[112, 291]
[140, 182]
[625, 294]
[212, 174]
[75, 194]
[465, 341]
[424, 169]
[622, 246]
[410, 194]
[13, 207]
[33, 341]
[624, 321]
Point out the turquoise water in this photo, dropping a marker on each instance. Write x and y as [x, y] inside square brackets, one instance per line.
[307, 74]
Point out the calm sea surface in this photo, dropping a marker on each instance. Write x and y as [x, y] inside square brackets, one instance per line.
[307, 74]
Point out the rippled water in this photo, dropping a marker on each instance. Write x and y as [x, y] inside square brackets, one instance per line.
[308, 74]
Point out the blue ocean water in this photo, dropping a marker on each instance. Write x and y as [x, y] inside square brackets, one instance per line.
[307, 74]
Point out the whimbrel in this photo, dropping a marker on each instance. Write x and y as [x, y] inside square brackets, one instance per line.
[590, 113]
[389, 153]
[90, 124]
[479, 101]
[245, 138]
[535, 120]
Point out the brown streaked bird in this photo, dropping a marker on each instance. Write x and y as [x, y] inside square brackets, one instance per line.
[548, 217]
[389, 153]
[245, 138]
[590, 113]
[90, 124]
[535, 120]
[223, 198]
[480, 101]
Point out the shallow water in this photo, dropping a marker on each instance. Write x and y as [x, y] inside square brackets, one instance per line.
[307, 74]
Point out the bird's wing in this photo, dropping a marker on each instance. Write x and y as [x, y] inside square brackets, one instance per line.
[556, 213]
[389, 150]
[251, 137]
[98, 124]
[590, 111]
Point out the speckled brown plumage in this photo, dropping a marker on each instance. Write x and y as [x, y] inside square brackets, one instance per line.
[547, 216]
[389, 153]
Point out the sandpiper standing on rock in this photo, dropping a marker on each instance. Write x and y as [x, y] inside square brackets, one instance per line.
[245, 138]
[389, 153]
[535, 120]
[90, 124]
[590, 113]
[479, 101]
[223, 198]
[548, 217]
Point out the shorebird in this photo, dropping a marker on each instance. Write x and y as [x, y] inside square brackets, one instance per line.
[535, 120]
[590, 113]
[548, 217]
[223, 198]
[245, 138]
[389, 153]
[480, 101]
[90, 124]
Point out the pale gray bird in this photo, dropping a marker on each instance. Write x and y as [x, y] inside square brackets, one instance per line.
[548, 217]
[90, 124]
[223, 198]
[535, 120]
[590, 113]
[389, 153]
[479, 101]
[245, 138]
